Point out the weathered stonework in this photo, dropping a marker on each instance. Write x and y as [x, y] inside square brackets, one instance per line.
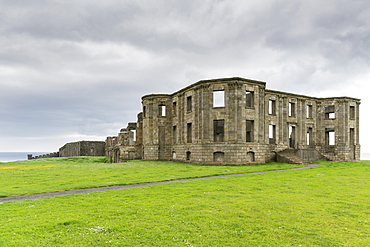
[248, 124]
[83, 148]
[50, 155]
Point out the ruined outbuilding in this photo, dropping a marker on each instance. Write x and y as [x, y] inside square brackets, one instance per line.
[239, 121]
[72, 149]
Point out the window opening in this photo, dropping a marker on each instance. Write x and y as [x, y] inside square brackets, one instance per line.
[218, 130]
[189, 103]
[174, 155]
[189, 133]
[309, 111]
[144, 111]
[291, 109]
[219, 98]
[352, 113]
[329, 112]
[250, 131]
[332, 138]
[292, 136]
[352, 136]
[309, 137]
[188, 155]
[272, 134]
[133, 135]
[329, 136]
[218, 156]
[174, 108]
[162, 110]
[249, 96]
[272, 106]
[250, 157]
[174, 134]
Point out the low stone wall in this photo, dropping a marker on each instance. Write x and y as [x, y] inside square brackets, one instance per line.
[81, 148]
[51, 155]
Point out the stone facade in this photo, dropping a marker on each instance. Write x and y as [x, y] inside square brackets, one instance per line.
[238, 121]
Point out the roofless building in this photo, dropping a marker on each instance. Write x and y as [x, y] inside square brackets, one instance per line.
[239, 121]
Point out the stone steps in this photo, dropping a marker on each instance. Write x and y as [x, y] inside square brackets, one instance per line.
[289, 156]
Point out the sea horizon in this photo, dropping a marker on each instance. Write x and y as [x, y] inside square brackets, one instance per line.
[17, 156]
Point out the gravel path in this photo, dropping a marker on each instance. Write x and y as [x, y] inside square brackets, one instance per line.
[119, 187]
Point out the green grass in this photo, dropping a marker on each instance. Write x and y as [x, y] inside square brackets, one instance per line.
[323, 206]
[57, 174]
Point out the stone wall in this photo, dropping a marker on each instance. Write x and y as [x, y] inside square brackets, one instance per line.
[83, 148]
[50, 155]
[128, 144]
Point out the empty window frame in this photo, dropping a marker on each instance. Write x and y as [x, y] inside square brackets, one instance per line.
[219, 98]
[292, 135]
[218, 130]
[133, 135]
[189, 103]
[329, 136]
[162, 110]
[144, 111]
[250, 131]
[189, 137]
[218, 156]
[272, 107]
[351, 136]
[249, 99]
[330, 112]
[309, 140]
[174, 108]
[272, 134]
[291, 109]
[309, 111]
[352, 112]
[188, 155]
[174, 134]
[250, 157]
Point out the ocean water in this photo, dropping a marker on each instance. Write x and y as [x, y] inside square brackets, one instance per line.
[365, 156]
[17, 156]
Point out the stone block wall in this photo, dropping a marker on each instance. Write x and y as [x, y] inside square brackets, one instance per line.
[83, 148]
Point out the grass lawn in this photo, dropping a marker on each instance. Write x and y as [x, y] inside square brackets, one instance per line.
[58, 174]
[322, 206]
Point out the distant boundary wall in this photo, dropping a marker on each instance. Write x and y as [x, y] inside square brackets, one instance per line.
[51, 155]
[81, 148]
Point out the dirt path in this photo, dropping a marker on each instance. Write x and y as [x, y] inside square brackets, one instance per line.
[119, 187]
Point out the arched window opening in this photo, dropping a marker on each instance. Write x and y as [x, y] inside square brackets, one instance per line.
[218, 156]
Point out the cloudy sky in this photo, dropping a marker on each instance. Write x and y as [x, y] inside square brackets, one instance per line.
[76, 70]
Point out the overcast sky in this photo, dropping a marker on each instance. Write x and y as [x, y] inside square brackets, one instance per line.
[76, 70]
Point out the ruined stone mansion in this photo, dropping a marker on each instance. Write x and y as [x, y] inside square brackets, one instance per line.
[239, 121]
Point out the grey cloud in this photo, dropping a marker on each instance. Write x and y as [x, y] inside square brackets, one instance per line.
[81, 66]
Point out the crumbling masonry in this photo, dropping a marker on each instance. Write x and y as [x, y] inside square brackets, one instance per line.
[81, 148]
[239, 121]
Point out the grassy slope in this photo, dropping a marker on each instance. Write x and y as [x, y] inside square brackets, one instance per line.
[323, 206]
[57, 174]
